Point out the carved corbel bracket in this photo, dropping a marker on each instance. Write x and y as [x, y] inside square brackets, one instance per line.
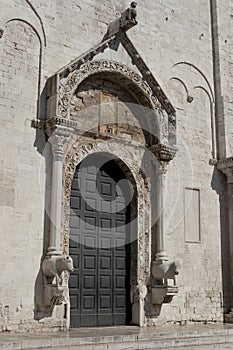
[163, 294]
[226, 167]
[53, 295]
[164, 273]
[53, 266]
[55, 286]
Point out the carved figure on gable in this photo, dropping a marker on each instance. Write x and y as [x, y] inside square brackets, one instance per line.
[125, 22]
[130, 14]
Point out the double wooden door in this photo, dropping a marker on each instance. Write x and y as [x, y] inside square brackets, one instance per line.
[99, 244]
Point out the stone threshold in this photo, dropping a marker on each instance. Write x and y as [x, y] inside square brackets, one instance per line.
[212, 337]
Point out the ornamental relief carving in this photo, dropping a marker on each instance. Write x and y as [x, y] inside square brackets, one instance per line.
[103, 107]
[80, 149]
[127, 78]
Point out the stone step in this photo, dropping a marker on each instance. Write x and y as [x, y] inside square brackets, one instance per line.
[203, 337]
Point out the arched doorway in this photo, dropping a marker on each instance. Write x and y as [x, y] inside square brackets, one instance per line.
[100, 236]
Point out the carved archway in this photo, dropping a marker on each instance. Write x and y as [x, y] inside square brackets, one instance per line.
[129, 78]
[71, 144]
[129, 160]
[68, 80]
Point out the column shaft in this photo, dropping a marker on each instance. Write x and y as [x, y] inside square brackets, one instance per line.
[230, 222]
[56, 204]
[59, 141]
[161, 241]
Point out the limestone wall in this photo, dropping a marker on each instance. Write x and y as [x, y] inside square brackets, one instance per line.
[222, 12]
[174, 39]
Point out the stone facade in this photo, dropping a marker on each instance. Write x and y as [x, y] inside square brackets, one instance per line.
[62, 70]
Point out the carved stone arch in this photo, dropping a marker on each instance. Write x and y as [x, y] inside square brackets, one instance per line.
[131, 160]
[154, 116]
[129, 78]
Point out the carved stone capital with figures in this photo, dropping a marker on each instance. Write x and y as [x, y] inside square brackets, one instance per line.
[60, 139]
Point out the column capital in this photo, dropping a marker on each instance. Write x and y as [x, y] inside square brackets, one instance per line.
[59, 139]
[226, 167]
[163, 152]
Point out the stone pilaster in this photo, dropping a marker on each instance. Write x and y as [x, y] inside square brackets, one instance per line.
[59, 141]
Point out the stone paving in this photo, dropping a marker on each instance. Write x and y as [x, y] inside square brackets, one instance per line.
[202, 337]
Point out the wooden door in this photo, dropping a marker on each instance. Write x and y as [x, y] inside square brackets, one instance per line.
[100, 285]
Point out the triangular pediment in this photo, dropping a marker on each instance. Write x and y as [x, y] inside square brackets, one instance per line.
[114, 55]
[119, 48]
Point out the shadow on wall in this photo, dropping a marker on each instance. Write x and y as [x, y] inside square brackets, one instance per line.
[219, 185]
[43, 147]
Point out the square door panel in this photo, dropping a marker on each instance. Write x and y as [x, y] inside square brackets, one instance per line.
[120, 207]
[75, 203]
[74, 302]
[90, 205]
[105, 263]
[74, 241]
[120, 263]
[105, 282]
[106, 207]
[74, 281]
[89, 302]
[76, 183]
[105, 302]
[89, 242]
[106, 189]
[90, 223]
[89, 282]
[120, 301]
[120, 244]
[75, 221]
[105, 243]
[89, 263]
[76, 262]
[120, 226]
[120, 282]
[90, 186]
[105, 224]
